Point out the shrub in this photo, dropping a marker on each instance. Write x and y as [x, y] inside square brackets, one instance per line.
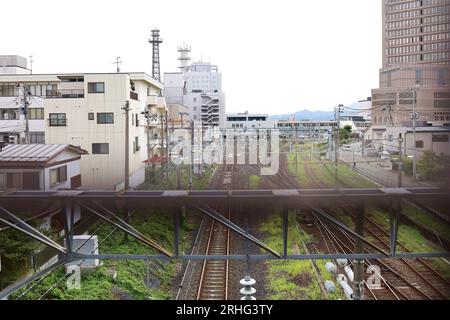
[407, 166]
[433, 166]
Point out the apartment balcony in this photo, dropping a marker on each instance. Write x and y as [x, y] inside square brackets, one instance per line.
[65, 94]
[154, 123]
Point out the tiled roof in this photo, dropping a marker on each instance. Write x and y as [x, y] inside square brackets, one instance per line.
[35, 152]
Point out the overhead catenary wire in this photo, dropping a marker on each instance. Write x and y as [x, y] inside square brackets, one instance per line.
[36, 282]
[93, 250]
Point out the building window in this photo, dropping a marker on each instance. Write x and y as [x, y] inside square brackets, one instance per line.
[137, 120]
[37, 137]
[419, 144]
[136, 146]
[105, 117]
[57, 120]
[90, 116]
[134, 95]
[440, 138]
[14, 180]
[58, 175]
[19, 180]
[96, 87]
[100, 148]
[36, 114]
[8, 114]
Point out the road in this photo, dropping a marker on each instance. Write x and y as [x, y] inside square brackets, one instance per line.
[370, 167]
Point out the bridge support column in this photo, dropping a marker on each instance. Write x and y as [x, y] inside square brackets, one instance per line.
[176, 231]
[358, 281]
[68, 221]
[285, 231]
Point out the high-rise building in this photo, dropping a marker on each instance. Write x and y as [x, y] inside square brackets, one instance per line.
[416, 64]
[199, 87]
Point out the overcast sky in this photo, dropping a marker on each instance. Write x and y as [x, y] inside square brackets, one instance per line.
[275, 56]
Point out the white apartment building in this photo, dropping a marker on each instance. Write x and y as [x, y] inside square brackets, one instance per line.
[199, 87]
[85, 110]
[249, 121]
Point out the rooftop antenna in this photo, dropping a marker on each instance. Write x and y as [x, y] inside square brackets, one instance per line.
[31, 63]
[155, 40]
[118, 63]
[184, 58]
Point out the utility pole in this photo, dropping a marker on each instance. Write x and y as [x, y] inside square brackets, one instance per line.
[26, 104]
[400, 162]
[354, 162]
[191, 167]
[296, 151]
[337, 140]
[362, 146]
[126, 108]
[147, 115]
[166, 119]
[31, 63]
[414, 118]
[118, 62]
[181, 114]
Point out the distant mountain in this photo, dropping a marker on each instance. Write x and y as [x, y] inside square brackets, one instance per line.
[360, 108]
[306, 115]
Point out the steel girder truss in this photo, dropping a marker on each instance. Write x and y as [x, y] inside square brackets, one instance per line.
[66, 254]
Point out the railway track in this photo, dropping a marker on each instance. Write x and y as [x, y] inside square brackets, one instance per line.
[214, 278]
[341, 243]
[418, 273]
[400, 279]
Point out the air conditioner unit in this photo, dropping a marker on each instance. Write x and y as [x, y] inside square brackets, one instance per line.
[85, 244]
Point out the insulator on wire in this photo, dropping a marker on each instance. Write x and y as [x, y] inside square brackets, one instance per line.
[248, 291]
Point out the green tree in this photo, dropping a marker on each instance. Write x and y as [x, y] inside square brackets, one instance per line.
[344, 133]
[433, 166]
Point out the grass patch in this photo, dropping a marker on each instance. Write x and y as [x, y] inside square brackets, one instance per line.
[133, 277]
[292, 280]
[413, 240]
[254, 182]
[324, 170]
[157, 178]
[428, 221]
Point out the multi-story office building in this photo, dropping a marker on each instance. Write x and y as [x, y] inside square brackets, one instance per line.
[416, 63]
[85, 110]
[199, 87]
